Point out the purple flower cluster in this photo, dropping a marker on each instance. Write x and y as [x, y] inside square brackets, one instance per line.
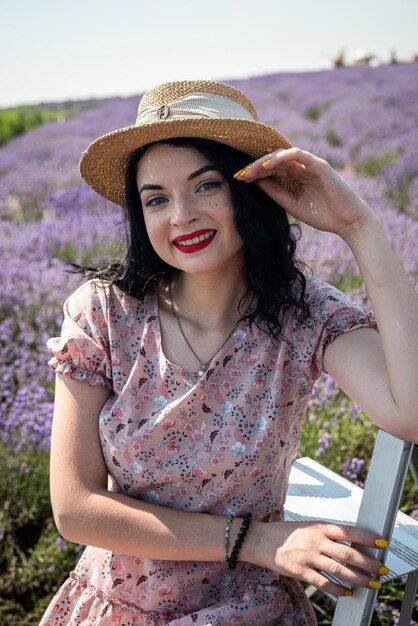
[363, 120]
[49, 218]
[353, 470]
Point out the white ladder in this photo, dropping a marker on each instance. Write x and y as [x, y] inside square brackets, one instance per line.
[316, 492]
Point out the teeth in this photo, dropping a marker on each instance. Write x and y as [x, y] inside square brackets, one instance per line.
[191, 242]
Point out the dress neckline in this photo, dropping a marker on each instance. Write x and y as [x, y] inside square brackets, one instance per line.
[193, 376]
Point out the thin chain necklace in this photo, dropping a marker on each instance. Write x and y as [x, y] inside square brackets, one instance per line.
[203, 365]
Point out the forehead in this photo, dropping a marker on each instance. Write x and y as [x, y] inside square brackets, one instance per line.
[164, 158]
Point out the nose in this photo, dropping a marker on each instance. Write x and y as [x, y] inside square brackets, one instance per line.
[184, 212]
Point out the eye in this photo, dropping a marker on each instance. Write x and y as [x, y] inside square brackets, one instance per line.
[209, 185]
[155, 202]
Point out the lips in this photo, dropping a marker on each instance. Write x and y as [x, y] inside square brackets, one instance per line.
[193, 242]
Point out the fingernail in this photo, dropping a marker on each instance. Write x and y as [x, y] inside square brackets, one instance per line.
[348, 592]
[381, 543]
[384, 571]
[243, 171]
[374, 584]
[266, 163]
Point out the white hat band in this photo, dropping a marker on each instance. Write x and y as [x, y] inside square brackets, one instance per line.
[199, 105]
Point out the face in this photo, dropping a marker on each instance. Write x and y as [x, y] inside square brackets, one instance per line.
[188, 210]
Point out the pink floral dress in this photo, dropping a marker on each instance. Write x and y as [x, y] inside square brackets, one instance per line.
[222, 443]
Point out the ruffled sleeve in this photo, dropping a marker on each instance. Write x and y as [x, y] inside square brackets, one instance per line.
[82, 351]
[332, 314]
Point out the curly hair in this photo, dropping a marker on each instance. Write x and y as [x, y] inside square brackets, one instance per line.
[273, 274]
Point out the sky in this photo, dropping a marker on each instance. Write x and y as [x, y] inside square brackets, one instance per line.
[82, 49]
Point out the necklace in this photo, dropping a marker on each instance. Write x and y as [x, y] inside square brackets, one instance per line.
[203, 365]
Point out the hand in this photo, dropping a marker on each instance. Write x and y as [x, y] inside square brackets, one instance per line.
[303, 549]
[326, 202]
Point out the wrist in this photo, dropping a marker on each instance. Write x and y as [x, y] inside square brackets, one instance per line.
[232, 557]
[360, 231]
[253, 548]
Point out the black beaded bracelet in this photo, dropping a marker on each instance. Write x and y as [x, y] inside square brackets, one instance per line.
[226, 535]
[232, 560]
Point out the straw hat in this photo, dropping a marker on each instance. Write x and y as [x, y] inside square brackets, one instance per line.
[190, 108]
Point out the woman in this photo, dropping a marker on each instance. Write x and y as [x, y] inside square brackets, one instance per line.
[184, 371]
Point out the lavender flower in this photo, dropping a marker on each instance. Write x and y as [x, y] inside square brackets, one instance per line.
[353, 469]
[50, 217]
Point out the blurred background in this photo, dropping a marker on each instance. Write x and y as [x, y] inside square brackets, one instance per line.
[55, 51]
[337, 78]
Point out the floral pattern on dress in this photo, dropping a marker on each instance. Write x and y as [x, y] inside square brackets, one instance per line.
[221, 444]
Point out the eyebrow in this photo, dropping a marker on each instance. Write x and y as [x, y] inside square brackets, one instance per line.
[199, 172]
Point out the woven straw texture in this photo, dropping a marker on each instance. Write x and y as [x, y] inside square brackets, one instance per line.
[103, 165]
[168, 92]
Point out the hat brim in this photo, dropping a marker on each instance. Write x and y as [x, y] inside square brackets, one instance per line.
[103, 165]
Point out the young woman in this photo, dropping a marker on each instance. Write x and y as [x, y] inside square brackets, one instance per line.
[184, 371]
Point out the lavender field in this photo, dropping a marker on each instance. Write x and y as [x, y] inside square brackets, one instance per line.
[364, 121]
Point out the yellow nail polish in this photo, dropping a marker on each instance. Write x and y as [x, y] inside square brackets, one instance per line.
[348, 592]
[266, 163]
[381, 543]
[245, 170]
[238, 173]
[384, 571]
[375, 584]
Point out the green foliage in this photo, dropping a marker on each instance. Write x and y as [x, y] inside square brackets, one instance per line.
[333, 138]
[390, 595]
[283, 95]
[34, 559]
[347, 283]
[400, 196]
[97, 254]
[313, 113]
[18, 120]
[373, 165]
[26, 210]
[349, 437]
[24, 492]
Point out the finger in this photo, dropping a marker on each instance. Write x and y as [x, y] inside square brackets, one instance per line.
[351, 575]
[361, 562]
[290, 169]
[324, 584]
[257, 167]
[284, 198]
[256, 172]
[288, 155]
[261, 167]
[353, 534]
[382, 571]
[293, 158]
[252, 170]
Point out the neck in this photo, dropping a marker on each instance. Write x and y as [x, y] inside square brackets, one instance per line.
[208, 300]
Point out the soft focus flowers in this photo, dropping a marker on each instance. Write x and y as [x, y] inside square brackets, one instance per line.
[365, 122]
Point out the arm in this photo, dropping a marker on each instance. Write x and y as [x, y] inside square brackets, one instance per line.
[85, 512]
[378, 371]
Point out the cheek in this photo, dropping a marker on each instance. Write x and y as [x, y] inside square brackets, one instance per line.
[154, 226]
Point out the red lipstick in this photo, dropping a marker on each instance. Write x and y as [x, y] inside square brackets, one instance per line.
[205, 237]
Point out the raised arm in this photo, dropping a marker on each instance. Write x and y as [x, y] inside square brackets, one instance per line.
[380, 371]
[377, 370]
